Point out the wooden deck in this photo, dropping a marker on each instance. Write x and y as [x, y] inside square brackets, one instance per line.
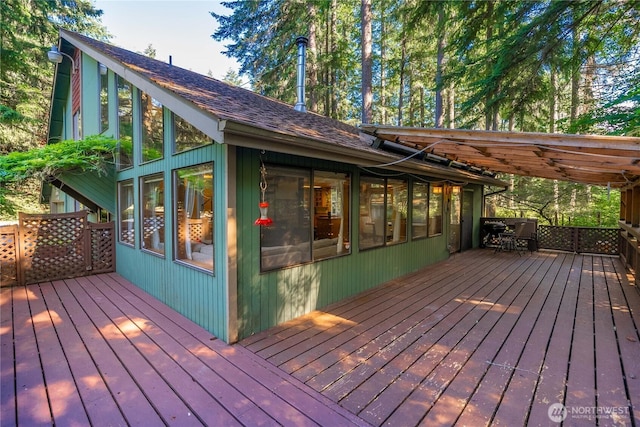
[481, 339]
[99, 351]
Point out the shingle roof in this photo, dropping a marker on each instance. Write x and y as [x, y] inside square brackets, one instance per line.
[234, 104]
[229, 102]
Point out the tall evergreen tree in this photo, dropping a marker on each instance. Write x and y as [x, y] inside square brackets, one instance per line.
[29, 28]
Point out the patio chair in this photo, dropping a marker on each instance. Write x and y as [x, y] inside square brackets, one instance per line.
[509, 239]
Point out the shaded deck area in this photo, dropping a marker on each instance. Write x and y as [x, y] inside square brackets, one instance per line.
[99, 351]
[481, 339]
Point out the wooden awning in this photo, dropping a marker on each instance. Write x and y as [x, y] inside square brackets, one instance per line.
[589, 159]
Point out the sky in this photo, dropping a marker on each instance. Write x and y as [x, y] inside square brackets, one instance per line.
[180, 29]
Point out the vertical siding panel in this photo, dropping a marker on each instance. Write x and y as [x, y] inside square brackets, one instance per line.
[265, 299]
[198, 295]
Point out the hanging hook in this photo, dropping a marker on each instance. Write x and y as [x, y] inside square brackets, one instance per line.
[263, 179]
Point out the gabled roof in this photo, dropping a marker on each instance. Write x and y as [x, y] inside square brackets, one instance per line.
[589, 159]
[220, 109]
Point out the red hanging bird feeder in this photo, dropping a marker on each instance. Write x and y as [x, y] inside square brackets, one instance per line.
[264, 219]
[263, 205]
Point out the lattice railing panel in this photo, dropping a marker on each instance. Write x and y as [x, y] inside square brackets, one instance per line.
[598, 240]
[56, 246]
[53, 246]
[560, 238]
[8, 255]
[103, 251]
[579, 239]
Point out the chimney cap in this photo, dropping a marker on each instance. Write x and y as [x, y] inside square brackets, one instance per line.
[302, 39]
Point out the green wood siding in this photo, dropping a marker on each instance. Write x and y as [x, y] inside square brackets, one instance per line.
[99, 189]
[198, 295]
[90, 92]
[266, 299]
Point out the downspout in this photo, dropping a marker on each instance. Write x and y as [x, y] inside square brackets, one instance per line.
[484, 197]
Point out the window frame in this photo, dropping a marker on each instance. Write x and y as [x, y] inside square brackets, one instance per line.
[369, 217]
[390, 208]
[103, 100]
[143, 136]
[414, 225]
[342, 248]
[276, 208]
[143, 181]
[121, 184]
[432, 191]
[175, 226]
[130, 114]
[174, 135]
[307, 205]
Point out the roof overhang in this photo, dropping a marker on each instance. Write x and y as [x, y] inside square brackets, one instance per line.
[589, 159]
[261, 139]
[61, 83]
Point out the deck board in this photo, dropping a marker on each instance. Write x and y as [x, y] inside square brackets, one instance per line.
[31, 393]
[96, 399]
[481, 339]
[446, 350]
[7, 371]
[625, 302]
[99, 351]
[64, 398]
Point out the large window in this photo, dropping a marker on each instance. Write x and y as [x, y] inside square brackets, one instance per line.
[193, 213]
[397, 192]
[127, 221]
[186, 136]
[152, 212]
[152, 128]
[383, 212]
[331, 214]
[372, 216]
[420, 213]
[288, 241]
[104, 97]
[125, 123]
[310, 213]
[436, 197]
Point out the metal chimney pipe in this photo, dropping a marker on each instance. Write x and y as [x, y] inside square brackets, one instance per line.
[302, 45]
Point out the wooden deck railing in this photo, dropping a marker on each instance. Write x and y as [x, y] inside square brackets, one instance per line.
[571, 239]
[629, 243]
[579, 239]
[55, 246]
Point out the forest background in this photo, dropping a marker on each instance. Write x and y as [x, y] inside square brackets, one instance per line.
[536, 66]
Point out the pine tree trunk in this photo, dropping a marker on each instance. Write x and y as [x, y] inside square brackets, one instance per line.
[383, 79]
[422, 110]
[410, 100]
[575, 77]
[488, 115]
[334, 52]
[451, 107]
[401, 88]
[312, 59]
[439, 113]
[367, 62]
[327, 66]
[553, 109]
